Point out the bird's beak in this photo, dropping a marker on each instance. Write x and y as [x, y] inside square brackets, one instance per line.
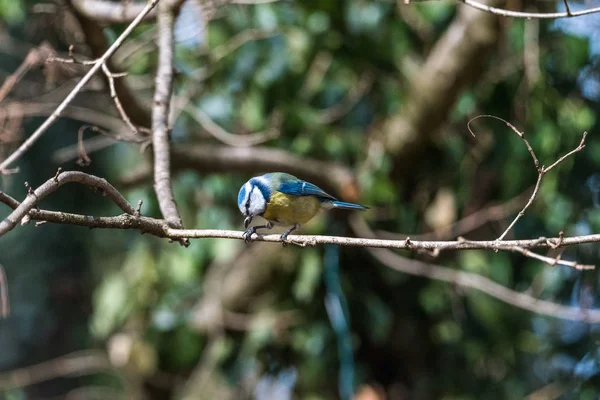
[247, 221]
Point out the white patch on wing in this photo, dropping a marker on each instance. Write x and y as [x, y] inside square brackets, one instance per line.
[328, 205]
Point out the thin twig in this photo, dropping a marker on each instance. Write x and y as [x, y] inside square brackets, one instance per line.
[110, 78]
[160, 116]
[520, 14]
[90, 145]
[114, 125]
[113, 94]
[82, 158]
[567, 8]
[542, 170]
[4, 300]
[87, 77]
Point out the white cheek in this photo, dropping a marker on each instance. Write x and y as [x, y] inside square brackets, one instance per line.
[257, 202]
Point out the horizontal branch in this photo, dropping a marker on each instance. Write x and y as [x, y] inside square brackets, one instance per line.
[160, 228]
[406, 244]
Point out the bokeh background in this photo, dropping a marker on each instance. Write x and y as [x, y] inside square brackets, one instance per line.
[368, 99]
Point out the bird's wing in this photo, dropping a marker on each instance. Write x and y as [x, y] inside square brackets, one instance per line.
[303, 188]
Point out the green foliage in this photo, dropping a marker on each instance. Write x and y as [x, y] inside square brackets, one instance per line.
[12, 11]
[413, 336]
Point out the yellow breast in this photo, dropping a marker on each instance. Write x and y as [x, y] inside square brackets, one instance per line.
[286, 209]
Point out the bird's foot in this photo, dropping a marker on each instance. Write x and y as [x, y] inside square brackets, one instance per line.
[285, 234]
[283, 237]
[248, 234]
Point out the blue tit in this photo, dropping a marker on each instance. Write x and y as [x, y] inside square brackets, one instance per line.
[283, 199]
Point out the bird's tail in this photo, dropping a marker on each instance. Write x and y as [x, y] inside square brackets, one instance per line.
[347, 206]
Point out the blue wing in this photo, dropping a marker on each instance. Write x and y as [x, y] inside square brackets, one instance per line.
[303, 188]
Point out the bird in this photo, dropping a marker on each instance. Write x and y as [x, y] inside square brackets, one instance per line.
[283, 199]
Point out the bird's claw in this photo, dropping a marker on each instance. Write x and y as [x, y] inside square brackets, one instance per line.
[248, 234]
[283, 238]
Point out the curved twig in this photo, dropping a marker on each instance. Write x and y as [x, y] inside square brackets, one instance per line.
[51, 185]
[541, 169]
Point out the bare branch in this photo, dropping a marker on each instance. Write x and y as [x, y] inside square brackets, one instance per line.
[116, 126]
[160, 116]
[51, 185]
[90, 145]
[406, 244]
[577, 149]
[75, 364]
[57, 113]
[527, 15]
[540, 168]
[4, 301]
[159, 227]
[110, 78]
[113, 94]
[155, 227]
[98, 43]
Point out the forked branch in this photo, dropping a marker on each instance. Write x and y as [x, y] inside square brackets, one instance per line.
[25, 146]
[541, 169]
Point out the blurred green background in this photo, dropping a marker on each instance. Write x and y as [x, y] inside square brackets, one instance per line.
[379, 89]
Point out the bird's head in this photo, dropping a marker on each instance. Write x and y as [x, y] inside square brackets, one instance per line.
[253, 198]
